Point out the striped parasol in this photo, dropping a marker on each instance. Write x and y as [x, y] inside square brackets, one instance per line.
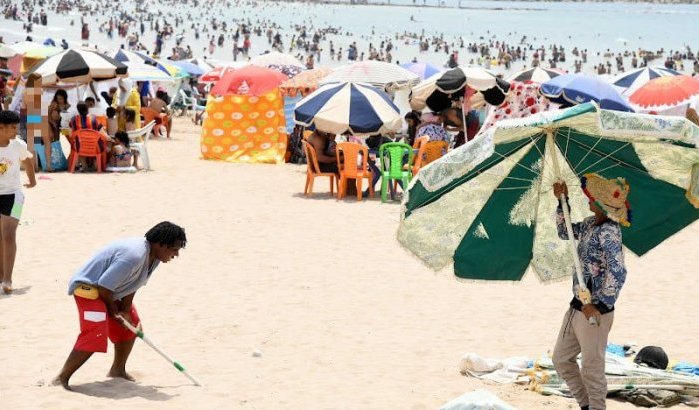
[534, 75]
[140, 69]
[348, 107]
[628, 82]
[376, 73]
[78, 66]
[665, 92]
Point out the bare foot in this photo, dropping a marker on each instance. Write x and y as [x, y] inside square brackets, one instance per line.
[122, 375]
[59, 381]
[7, 287]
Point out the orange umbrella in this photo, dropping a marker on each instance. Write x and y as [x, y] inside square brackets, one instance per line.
[665, 92]
[250, 80]
[305, 82]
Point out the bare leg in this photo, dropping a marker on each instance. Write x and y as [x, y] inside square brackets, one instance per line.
[122, 350]
[47, 152]
[75, 360]
[8, 229]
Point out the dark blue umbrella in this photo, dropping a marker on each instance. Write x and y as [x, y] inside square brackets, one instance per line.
[574, 89]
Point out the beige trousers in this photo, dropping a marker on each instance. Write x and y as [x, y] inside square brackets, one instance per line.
[587, 384]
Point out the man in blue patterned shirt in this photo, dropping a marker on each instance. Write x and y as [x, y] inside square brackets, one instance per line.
[602, 260]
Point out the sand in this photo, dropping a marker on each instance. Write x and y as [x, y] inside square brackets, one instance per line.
[344, 318]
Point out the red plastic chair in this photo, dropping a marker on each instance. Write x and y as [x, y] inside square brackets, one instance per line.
[347, 160]
[88, 144]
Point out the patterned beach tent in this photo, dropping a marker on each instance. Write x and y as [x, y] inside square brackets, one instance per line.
[487, 206]
[245, 118]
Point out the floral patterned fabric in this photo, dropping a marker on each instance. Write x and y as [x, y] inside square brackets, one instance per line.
[522, 101]
[601, 256]
[433, 130]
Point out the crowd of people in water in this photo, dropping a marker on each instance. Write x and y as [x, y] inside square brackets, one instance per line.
[180, 28]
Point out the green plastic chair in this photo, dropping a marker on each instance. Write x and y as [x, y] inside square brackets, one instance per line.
[391, 156]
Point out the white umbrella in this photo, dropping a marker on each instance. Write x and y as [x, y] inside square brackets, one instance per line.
[7, 51]
[376, 73]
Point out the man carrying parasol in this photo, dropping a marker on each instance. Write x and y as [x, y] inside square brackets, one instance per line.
[602, 258]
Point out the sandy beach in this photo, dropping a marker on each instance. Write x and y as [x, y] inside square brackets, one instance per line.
[343, 316]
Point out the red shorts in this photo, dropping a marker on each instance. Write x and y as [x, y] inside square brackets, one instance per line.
[96, 325]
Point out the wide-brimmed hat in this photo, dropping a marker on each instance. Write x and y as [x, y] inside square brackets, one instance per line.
[609, 195]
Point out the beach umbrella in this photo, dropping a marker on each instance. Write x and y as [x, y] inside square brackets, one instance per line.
[534, 75]
[304, 83]
[439, 91]
[78, 66]
[376, 73]
[142, 69]
[571, 89]
[629, 81]
[174, 71]
[7, 51]
[23, 47]
[423, 70]
[523, 100]
[665, 92]
[288, 70]
[189, 68]
[250, 80]
[348, 107]
[205, 66]
[214, 74]
[276, 58]
[487, 206]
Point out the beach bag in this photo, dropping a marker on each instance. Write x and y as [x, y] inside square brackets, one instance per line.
[58, 159]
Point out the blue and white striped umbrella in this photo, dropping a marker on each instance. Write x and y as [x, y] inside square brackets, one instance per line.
[628, 82]
[348, 107]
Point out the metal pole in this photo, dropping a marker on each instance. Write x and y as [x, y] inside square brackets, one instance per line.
[583, 293]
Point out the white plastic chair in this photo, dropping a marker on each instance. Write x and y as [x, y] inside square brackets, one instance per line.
[191, 102]
[141, 147]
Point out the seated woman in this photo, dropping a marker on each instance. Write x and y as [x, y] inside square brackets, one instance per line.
[160, 105]
[120, 154]
[324, 144]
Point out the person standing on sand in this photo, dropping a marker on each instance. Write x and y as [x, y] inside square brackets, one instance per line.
[13, 152]
[602, 259]
[104, 288]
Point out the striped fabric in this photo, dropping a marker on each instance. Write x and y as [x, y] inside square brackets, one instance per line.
[348, 107]
[289, 105]
[376, 73]
[142, 67]
[628, 82]
[78, 66]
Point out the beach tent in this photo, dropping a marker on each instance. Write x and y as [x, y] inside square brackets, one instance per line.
[245, 118]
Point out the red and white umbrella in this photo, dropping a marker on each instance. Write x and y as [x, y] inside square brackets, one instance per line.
[665, 92]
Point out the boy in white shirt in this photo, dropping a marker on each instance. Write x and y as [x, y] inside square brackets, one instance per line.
[13, 151]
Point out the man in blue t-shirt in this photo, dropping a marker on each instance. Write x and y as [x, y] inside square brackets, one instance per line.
[104, 289]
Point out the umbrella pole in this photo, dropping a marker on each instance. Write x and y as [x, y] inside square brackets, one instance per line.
[583, 293]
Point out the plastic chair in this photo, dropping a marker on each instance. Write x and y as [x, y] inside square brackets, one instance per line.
[190, 103]
[138, 140]
[419, 145]
[391, 156]
[347, 160]
[434, 150]
[160, 120]
[88, 144]
[313, 170]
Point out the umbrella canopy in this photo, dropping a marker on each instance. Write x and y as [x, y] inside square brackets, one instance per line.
[174, 71]
[348, 107]
[522, 101]
[250, 80]
[534, 75]
[78, 66]
[7, 51]
[665, 92]
[42, 51]
[423, 70]
[276, 58]
[630, 81]
[205, 67]
[305, 82]
[288, 70]
[376, 73]
[488, 207]
[189, 68]
[438, 92]
[572, 89]
[142, 69]
[215, 74]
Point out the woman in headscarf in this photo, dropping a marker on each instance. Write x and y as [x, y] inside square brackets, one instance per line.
[127, 96]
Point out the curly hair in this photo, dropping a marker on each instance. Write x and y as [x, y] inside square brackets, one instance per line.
[168, 234]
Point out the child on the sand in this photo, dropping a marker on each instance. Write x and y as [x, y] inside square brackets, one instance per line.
[120, 154]
[13, 152]
[104, 289]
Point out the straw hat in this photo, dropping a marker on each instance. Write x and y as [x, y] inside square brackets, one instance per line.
[609, 195]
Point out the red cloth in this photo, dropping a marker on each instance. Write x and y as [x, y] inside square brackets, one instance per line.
[96, 326]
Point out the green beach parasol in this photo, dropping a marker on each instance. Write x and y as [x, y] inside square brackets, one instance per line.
[488, 208]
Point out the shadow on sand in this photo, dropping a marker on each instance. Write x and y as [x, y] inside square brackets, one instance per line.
[15, 292]
[118, 389]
